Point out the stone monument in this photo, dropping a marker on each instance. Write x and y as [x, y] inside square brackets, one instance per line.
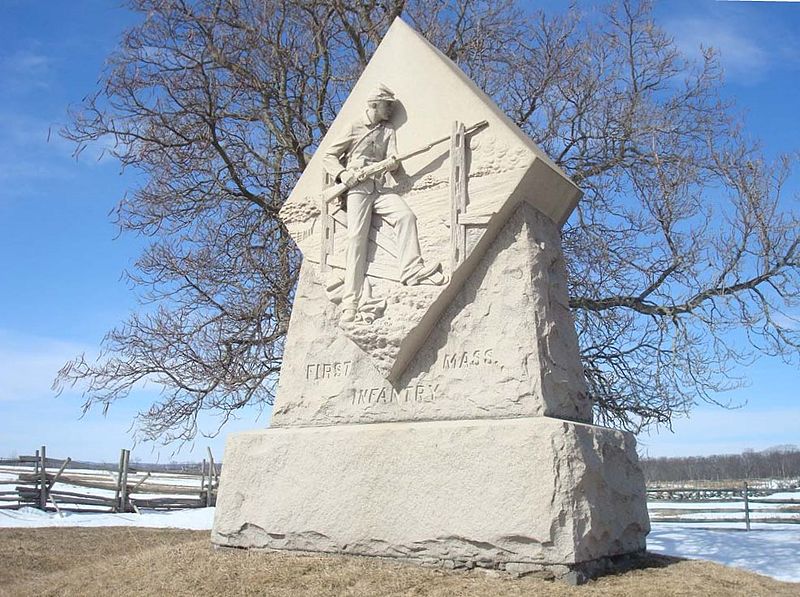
[431, 404]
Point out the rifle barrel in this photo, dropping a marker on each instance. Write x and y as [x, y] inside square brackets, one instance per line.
[425, 148]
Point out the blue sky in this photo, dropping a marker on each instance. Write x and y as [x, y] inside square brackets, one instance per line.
[60, 264]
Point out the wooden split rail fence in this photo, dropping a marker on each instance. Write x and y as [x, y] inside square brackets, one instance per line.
[756, 507]
[65, 485]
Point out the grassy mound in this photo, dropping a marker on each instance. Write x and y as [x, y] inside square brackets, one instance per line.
[130, 561]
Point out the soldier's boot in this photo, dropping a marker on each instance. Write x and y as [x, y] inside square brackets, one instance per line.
[432, 275]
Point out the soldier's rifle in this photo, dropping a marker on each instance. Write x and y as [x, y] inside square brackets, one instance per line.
[379, 168]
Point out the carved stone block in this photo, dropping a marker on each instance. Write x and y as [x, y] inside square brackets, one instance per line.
[480, 492]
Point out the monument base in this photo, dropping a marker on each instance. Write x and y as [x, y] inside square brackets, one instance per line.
[514, 494]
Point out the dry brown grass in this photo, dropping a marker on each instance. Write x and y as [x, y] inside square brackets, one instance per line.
[128, 561]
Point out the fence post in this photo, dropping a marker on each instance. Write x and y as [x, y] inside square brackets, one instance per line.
[64, 465]
[746, 508]
[123, 498]
[43, 479]
[203, 496]
[119, 481]
[212, 478]
[36, 474]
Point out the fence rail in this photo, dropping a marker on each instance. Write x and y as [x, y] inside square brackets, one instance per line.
[789, 508]
[59, 485]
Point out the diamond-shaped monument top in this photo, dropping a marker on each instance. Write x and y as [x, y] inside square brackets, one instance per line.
[461, 191]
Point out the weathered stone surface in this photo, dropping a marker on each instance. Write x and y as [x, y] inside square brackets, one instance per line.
[527, 490]
[505, 346]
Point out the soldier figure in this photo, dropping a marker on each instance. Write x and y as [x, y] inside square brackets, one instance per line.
[369, 141]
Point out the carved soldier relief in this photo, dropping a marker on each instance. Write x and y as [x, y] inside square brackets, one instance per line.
[394, 208]
[361, 165]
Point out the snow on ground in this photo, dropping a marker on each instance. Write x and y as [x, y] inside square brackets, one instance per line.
[773, 550]
[785, 495]
[195, 518]
[769, 549]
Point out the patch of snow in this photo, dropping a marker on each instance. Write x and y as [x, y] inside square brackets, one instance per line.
[658, 505]
[195, 519]
[785, 495]
[772, 551]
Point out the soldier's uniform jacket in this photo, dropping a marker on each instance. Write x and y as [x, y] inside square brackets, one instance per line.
[364, 143]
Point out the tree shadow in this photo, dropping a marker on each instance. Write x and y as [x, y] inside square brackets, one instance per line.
[621, 564]
[774, 552]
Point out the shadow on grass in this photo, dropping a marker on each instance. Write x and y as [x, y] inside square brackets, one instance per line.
[619, 565]
[655, 560]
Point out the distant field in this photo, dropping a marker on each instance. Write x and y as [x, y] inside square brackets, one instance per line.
[150, 562]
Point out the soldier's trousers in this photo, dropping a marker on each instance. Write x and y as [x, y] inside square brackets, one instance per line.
[395, 211]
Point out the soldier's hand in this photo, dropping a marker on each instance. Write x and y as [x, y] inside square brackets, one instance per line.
[393, 164]
[350, 177]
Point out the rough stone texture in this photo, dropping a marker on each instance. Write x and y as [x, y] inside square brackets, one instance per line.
[480, 492]
[505, 346]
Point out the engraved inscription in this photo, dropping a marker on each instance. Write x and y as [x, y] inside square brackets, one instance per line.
[386, 395]
[467, 358]
[328, 370]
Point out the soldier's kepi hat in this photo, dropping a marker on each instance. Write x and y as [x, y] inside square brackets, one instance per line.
[381, 94]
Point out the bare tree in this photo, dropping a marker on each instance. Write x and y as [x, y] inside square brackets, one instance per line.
[780, 462]
[679, 248]
[680, 240]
